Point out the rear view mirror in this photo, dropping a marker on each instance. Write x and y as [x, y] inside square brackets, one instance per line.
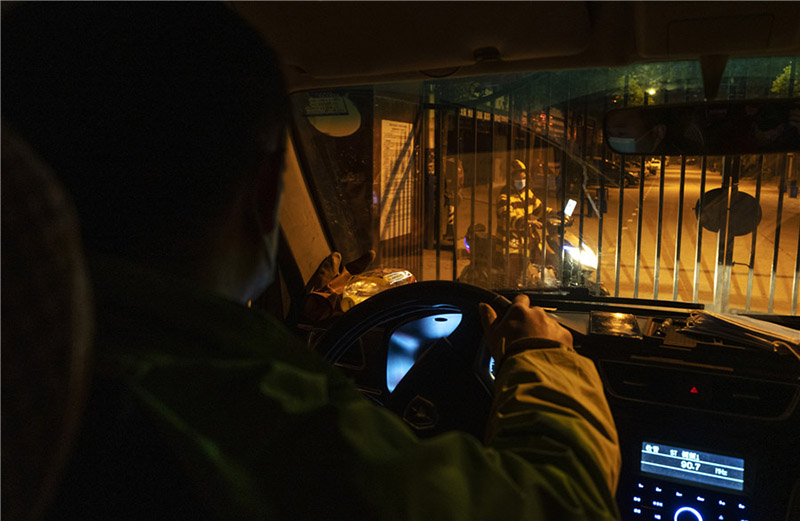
[713, 128]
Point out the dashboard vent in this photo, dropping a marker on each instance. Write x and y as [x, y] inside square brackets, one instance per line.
[699, 390]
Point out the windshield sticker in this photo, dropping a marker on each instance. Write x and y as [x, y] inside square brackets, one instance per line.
[326, 105]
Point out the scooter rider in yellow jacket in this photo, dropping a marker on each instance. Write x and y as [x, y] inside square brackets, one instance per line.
[517, 206]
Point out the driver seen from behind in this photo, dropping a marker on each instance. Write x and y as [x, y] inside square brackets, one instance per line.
[167, 124]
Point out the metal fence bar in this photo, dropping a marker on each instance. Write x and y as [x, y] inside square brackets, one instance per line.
[582, 194]
[541, 234]
[639, 217]
[603, 198]
[730, 238]
[422, 180]
[752, 264]
[679, 231]
[603, 204]
[425, 184]
[508, 196]
[658, 231]
[474, 170]
[698, 250]
[561, 252]
[415, 253]
[526, 236]
[722, 234]
[489, 228]
[454, 186]
[546, 189]
[567, 128]
[618, 253]
[439, 131]
[774, 269]
[580, 233]
[430, 169]
[529, 230]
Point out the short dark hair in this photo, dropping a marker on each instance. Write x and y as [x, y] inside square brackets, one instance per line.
[151, 113]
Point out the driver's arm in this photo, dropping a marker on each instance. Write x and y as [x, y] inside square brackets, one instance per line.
[542, 381]
[551, 449]
[272, 432]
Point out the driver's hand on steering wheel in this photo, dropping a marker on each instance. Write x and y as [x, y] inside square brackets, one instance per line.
[521, 321]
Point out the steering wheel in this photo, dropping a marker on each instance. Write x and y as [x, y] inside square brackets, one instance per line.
[449, 386]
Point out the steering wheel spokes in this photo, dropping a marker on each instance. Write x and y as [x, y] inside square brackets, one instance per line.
[448, 385]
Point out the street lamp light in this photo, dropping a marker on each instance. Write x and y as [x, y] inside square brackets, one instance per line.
[649, 92]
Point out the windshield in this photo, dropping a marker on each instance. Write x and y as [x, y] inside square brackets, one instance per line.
[505, 182]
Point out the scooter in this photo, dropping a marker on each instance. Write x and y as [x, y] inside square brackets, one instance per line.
[578, 261]
[537, 269]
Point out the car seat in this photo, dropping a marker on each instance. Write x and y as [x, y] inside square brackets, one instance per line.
[46, 331]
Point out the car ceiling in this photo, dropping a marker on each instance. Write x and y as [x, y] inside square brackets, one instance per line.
[340, 43]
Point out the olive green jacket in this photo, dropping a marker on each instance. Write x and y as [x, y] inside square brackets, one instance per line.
[224, 414]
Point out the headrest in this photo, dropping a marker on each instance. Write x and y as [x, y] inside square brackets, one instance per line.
[46, 330]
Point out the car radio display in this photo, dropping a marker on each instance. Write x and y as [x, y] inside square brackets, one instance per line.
[692, 465]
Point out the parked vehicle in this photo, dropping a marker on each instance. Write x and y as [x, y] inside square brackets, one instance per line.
[610, 172]
[653, 165]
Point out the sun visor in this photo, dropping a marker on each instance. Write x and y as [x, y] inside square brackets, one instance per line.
[344, 39]
[703, 28]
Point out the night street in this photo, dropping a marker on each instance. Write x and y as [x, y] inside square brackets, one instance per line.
[690, 274]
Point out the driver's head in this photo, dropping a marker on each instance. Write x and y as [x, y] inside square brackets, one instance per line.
[157, 116]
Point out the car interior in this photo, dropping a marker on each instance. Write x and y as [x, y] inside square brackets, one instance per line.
[674, 261]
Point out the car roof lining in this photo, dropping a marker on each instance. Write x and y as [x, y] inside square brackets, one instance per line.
[327, 44]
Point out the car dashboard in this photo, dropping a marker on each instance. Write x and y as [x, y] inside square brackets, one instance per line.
[708, 429]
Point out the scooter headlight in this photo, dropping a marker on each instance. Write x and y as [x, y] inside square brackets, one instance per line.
[586, 258]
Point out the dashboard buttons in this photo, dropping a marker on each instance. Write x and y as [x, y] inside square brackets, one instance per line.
[660, 500]
[687, 514]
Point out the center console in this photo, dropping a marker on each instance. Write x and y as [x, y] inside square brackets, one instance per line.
[682, 484]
